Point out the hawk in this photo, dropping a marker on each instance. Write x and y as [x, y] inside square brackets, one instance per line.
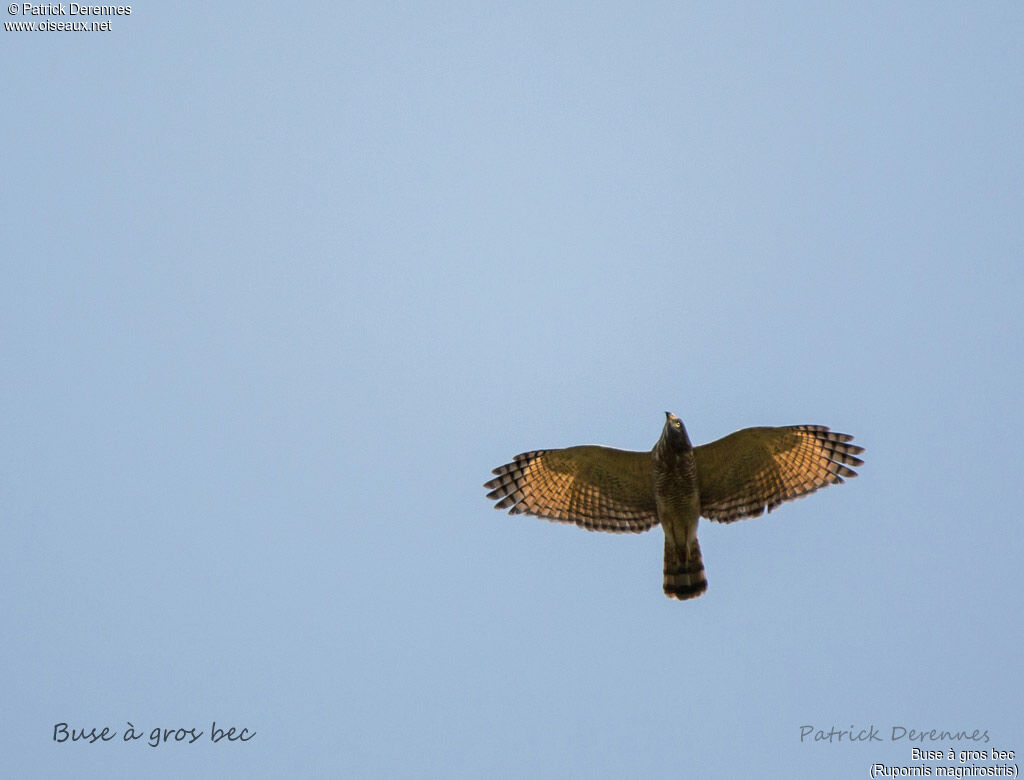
[739, 476]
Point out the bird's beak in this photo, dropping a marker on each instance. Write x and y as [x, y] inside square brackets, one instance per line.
[669, 415]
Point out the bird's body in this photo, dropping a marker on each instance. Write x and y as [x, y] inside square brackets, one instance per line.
[677, 498]
[604, 489]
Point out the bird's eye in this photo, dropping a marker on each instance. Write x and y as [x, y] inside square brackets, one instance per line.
[676, 423]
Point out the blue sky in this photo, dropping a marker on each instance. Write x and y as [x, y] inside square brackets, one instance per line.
[281, 286]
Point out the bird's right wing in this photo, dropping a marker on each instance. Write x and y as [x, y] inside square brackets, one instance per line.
[598, 488]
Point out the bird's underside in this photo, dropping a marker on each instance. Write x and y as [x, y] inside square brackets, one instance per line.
[741, 475]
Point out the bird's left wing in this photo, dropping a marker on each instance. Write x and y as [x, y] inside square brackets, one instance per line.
[598, 488]
[755, 469]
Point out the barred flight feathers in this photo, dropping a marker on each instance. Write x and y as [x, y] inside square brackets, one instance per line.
[598, 488]
[756, 469]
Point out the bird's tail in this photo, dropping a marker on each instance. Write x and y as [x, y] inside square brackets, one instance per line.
[684, 571]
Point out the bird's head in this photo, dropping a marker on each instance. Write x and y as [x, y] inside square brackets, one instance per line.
[675, 433]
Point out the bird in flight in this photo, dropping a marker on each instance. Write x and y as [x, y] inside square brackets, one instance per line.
[738, 476]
